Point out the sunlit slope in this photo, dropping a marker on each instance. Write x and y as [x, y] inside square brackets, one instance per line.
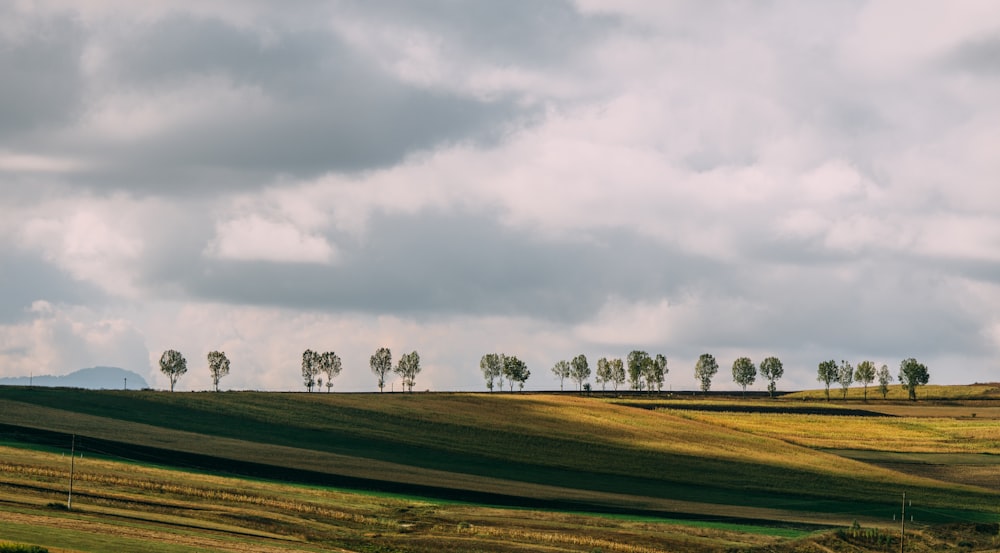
[564, 441]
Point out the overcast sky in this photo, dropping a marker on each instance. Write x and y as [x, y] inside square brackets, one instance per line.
[811, 180]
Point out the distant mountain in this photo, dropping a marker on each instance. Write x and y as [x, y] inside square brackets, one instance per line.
[93, 378]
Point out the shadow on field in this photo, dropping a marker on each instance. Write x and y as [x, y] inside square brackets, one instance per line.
[231, 467]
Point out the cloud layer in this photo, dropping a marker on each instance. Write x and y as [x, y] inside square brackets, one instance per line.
[541, 178]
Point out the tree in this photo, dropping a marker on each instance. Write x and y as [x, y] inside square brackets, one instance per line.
[911, 375]
[617, 372]
[381, 363]
[173, 364]
[744, 372]
[562, 371]
[516, 371]
[218, 365]
[637, 363]
[771, 369]
[656, 372]
[884, 378]
[865, 374]
[492, 368]
[845, 376]
[604, 374]
[826, 374]
[705, 369]
[579, 370]
[330, 365]
[310, 368]
[408, 369]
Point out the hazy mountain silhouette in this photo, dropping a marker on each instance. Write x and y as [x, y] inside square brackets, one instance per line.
[93, 378]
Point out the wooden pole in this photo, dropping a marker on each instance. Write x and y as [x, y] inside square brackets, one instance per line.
[902, 524]
[72, 470]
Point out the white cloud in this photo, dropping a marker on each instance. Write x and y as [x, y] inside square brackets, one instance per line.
[60, 339]
[254, 238]
[96, 241]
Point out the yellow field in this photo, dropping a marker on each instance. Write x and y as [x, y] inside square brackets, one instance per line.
[896, 392]
[121, 506]
[899, 434]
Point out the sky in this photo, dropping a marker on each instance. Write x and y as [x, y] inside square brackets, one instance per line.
[808, 180]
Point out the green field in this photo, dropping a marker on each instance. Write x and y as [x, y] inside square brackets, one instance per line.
[466, 472]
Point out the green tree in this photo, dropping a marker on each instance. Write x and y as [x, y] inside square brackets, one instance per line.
[865, 374]
[884, 378]
[408, 369]
[330, 365]
[562, 370]
[603, 374]
[310, 368]
[617, 372]
[173, 364]
[637, 363]
[772, 369]
[516, 371]
[826, 374]
[579, 370]
[705, 370]
[744, 373]
[218, 366]
[911, 375]
[845, 376]
[492, 368]
[656, 372]
[381, 364]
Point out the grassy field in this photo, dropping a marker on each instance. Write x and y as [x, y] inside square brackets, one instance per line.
[429, 472]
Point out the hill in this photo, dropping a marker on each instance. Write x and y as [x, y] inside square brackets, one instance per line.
[93, 378]
[560, 453]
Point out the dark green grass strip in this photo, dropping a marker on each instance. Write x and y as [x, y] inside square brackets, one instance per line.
[230, 467]
[301, 421]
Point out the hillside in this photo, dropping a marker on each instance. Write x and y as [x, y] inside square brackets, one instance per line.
[532, 450]
[92, 378]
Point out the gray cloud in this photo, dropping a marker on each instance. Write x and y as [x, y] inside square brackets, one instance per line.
[720, 177]
[977, 57]
[441, 263]
[25, 279]
[43, 85]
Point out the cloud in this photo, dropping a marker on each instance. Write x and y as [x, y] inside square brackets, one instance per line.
[58, 339]
[540, 177]
[257, 239]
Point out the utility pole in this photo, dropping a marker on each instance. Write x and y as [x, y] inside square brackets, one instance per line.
[902, 524]
[72, 470]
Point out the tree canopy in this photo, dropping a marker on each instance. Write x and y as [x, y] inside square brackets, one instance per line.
[408, 368]
[772, 369]
[562, 370]
[579, 370]
[638, 361]
[310, 368]
[845, 376]
[827, 373]
[865, 374]
[173, 364]
[381, 363]
[705, 370]
[911, 375]
[516, 371]
[744, 372]
[884, 378]
[330, 365]
[218, 366]
[492, 367]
